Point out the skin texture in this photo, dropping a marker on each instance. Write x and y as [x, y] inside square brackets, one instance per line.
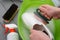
[51, 12]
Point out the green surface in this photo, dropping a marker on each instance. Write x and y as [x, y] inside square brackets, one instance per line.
[57, 29]
[23, 31]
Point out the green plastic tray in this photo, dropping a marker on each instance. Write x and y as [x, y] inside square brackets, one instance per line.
[23, 31]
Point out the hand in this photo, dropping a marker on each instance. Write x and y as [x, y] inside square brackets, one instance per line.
[51, 11]
[38, 35]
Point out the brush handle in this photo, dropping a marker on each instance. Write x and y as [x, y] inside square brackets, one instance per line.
[43, 17]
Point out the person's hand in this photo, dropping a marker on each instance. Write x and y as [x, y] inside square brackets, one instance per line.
[51, 11]
[38, 35]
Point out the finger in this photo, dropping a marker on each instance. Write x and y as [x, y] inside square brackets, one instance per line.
[43, 10]
[32, 30]
[58, 16]
[47, 17]
[47, 6]
[55, 17]
[31, 37]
